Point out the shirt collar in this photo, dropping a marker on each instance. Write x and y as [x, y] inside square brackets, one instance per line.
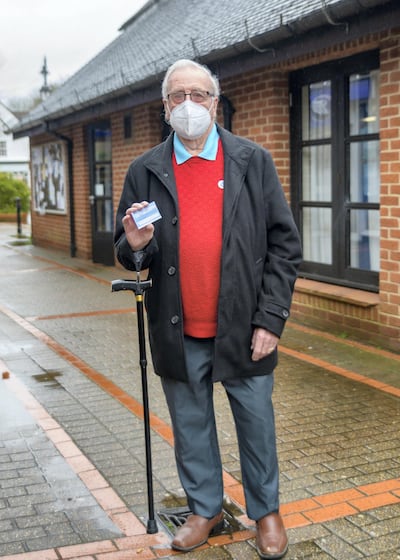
[209, 151]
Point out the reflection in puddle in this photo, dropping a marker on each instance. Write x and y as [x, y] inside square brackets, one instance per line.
[49, 378]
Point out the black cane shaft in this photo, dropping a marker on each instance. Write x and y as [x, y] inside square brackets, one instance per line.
[151, 526]
[149, 466]
[139, 287]
[141, 332]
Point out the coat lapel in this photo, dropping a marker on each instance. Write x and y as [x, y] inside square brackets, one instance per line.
[236, 161]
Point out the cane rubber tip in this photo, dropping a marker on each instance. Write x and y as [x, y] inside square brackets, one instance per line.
[5, 375]
[152, 526]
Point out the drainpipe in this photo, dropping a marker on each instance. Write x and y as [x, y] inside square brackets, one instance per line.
[70, 147]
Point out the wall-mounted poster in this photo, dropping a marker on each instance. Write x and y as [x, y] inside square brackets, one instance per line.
[49, 163]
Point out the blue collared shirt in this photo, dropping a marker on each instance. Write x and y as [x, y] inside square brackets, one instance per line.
[209, 152]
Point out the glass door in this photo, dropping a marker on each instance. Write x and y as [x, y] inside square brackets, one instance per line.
[316, 165]
[100, 156]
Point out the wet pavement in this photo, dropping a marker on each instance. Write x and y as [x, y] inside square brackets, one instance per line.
[72, 456]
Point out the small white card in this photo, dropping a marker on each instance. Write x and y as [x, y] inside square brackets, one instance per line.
[146, 216]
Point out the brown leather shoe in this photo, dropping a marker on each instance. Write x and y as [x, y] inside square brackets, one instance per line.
[271, 540]
[195, 531]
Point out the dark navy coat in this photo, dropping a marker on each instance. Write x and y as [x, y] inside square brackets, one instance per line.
[260, 256]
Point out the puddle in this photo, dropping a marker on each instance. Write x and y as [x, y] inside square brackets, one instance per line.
[20, 239]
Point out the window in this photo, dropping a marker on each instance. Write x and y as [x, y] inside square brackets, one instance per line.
[127, 127]
[3, 148]
[335, 170]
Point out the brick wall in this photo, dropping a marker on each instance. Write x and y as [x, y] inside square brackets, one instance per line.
[261, 101]
[53, 230]
[262, 114]
[389, 308]
[146, 132]
[83, 226]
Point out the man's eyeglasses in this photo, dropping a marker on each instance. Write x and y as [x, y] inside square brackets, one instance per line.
[197, 96]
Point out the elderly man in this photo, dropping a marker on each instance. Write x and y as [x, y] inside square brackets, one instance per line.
[223, 260]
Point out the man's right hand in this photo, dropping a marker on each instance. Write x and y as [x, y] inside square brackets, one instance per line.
[137, 238]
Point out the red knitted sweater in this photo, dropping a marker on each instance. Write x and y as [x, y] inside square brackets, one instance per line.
[200, 188]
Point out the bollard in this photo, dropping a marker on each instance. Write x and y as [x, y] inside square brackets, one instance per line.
[18, 205]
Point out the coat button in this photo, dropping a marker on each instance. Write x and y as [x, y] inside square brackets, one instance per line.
[174, 220]
[285, 314]
[165, 173]
[171, 270]
[175, 319]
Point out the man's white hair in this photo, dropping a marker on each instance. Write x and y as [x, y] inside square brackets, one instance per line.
[186, 63]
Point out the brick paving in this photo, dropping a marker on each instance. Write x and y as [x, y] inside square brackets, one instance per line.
[72, 468]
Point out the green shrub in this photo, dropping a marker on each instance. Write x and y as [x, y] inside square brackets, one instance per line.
[10, 189]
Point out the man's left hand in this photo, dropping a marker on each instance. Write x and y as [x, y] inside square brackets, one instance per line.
[263, 343]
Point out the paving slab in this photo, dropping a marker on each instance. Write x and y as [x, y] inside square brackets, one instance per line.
[72, 458]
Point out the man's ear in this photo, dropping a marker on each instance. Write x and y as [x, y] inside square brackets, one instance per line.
[215, 107]
[167, 112]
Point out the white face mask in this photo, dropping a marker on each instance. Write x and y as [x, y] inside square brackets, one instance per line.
[190, 120]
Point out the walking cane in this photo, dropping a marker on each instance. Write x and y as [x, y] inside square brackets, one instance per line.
[139, 286]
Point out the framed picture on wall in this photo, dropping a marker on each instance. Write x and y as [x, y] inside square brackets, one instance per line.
[49, 177]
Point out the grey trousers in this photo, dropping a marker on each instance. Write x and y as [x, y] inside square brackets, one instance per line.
[197, 453]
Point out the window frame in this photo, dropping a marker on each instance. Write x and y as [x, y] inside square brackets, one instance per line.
[338, 72]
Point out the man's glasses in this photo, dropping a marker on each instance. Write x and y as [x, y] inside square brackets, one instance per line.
[197, 96]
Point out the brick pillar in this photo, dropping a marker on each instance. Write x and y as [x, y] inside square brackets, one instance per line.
[390, 187]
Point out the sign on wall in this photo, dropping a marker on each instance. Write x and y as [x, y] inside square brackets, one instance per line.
[49, 164]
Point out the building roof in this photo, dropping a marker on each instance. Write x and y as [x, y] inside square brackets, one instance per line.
[166, 30]
[8, 118]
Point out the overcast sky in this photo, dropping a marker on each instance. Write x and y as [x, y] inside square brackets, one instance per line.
[68, 32]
